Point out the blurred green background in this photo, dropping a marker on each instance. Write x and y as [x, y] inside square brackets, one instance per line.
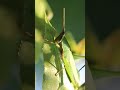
[75, 16]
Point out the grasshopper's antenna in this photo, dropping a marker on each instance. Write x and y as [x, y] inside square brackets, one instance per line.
[64, 19]
[62, 34]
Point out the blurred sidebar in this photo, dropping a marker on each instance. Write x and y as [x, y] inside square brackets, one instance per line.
[27, 46]
[17, 71]
[103, 42]
[10, 24]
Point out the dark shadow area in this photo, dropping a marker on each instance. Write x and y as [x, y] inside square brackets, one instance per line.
[17, 68]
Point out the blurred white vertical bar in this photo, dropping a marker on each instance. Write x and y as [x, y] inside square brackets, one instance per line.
[39, 70]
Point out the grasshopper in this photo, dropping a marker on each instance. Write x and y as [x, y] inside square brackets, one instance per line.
[68, 64]
[66, 56]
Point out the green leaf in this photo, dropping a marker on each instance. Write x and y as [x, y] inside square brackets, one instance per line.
[41, 6]
[50, 80]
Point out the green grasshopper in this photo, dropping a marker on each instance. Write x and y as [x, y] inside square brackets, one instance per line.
[67, 57]
[68, 63]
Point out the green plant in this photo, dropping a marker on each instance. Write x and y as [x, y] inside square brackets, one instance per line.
[59, 70]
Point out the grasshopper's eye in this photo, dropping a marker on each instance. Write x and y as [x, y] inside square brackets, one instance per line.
[60, 37]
